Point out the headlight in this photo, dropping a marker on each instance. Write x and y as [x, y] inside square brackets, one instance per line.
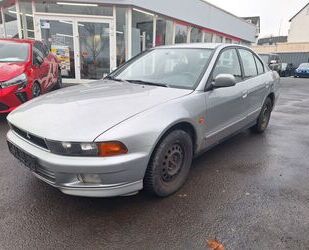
[19, 80]
[104, 149]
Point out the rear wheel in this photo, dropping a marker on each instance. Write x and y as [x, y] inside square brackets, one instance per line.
[264, 117]
[170, 164]
[36, 90]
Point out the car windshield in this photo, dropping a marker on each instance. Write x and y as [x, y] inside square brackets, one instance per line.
[13, 52]
[304, 66]
[176, 68]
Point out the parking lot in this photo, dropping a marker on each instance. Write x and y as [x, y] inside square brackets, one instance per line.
[251, 192]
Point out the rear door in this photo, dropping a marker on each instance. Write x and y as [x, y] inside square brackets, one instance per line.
[45, 69]
[256, 82]
[225, 110]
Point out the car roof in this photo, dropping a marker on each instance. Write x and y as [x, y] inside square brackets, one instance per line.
[200, 46]
[16, 40]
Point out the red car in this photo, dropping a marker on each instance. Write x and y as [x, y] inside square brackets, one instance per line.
[27, 70]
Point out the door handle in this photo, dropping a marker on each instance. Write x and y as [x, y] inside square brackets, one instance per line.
[245, 94]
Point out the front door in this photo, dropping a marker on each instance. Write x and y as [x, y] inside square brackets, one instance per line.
[84, 46]
[225, 109]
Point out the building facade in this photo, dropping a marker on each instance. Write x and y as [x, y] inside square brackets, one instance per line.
[91, 38]
[299, 32]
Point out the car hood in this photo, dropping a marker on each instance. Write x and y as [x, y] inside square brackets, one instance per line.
[81, 113]
[10, 70]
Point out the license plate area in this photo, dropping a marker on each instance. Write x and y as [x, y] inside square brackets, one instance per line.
[26, 159]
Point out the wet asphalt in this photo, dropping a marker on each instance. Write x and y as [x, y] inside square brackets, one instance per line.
[251, 192]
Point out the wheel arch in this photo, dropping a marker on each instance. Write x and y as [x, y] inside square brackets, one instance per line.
[179, 125]
[272, 98]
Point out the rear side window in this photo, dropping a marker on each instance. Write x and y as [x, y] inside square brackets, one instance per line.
[248, 61]
[228, 63]
[259, 65]
[39, 46]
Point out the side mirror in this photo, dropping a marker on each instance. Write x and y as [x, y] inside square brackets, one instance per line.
[224, 81]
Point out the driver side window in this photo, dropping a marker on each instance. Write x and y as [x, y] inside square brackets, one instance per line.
[228, 63]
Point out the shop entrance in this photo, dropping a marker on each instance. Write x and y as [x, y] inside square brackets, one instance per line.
[84, 46]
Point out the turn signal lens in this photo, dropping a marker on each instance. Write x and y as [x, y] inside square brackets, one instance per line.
[112, 149]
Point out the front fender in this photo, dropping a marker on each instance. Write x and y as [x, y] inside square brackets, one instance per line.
[142, 132]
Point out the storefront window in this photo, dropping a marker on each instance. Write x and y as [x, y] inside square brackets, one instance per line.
[219, 39]
[94, 50]
[121, 34]
[11, 27]
[1, 26]
[181, 33]
[142, 31]
[208, 37]
[58, 35]
[164, 33]
[71, 8]
[196, 35]
[228, 40]
[26, 19]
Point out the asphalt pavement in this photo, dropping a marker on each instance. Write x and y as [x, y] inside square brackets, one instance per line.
[251, 192]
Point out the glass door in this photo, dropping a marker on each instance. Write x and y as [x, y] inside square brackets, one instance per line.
[58, 36]
[94, 50]
[84, 46]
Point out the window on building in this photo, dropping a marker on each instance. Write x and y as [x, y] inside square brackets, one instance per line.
[208, 37]
[228, 40]
[228, 63]
[142, 31]
[164, 32]
[181, 33]
[196, 35]
[248, 61]
[121, 35]
[11, 27]
[59, 7]
[219, 39]
[1, 26]
[26, 19]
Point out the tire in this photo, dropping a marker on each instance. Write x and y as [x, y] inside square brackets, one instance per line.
[170, 164]
[264, 117]
[36, 90]
[59, 83]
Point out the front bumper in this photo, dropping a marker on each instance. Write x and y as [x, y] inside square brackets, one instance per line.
[301, 75]
[120, 175]
[12, 97]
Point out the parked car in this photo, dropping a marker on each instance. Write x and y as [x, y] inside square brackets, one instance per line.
[142, 125]
[272, 60]
[27, 70]
[287, 69]
[302, 70]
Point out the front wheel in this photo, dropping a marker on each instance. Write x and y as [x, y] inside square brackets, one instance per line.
[36, 90]
[264, 117]
[59, 83]
[170, 164]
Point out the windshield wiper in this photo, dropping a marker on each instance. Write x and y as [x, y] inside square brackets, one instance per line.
[114, 79]
[148, 83]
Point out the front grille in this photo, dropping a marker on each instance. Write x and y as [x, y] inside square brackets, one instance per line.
[3, 107]
[29, 137]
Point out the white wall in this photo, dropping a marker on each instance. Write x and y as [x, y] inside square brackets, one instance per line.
[299, 30]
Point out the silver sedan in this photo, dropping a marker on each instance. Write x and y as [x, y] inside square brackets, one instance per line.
[141, 126]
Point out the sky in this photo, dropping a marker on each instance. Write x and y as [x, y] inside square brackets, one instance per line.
[275, 14]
